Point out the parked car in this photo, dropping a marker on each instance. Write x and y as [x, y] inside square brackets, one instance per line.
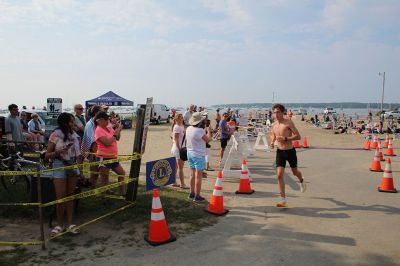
[329, 110]
[159, 113]
[392, 114]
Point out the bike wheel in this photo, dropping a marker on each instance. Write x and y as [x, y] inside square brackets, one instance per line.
[16, 185]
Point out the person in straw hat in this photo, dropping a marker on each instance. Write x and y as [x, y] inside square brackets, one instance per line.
[197, 135]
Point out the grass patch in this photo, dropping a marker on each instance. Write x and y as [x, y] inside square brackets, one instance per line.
[183, 215]
[177, 208]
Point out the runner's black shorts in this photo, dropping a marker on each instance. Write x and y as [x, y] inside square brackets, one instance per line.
[224, 143]
[286, 155]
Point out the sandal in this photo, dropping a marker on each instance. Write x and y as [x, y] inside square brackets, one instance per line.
[73, 229]
[56, 230]
[184, 187]
[175, 185]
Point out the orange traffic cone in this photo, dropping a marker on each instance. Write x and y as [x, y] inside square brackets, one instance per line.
[244, 185]
[296, 144]
[216, 205]
[375, 142]
[244, 168]
[367, 145]
[386, 144]
[305, 143]
[158, 232]
[380, 152]
[376, 163]
[389, 151]
[387, 179]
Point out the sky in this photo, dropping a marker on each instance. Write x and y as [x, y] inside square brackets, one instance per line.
[204, 52]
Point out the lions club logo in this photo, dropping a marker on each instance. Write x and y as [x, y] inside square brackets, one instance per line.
[160, 173]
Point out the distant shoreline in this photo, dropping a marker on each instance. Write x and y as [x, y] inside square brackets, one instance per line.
[344, 105]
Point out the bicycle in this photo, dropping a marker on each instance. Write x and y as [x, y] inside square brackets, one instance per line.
[16, 162]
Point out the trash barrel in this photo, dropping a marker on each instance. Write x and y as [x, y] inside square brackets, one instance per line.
[127, 124]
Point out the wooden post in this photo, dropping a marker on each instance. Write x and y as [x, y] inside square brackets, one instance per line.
[39, 191]
[131, 193]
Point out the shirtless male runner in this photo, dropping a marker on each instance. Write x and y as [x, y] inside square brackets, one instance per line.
[284, 132]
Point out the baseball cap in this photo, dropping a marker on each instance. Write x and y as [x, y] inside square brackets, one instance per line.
[102, 115]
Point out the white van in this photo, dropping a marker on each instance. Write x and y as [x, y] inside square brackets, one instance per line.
[159, 113]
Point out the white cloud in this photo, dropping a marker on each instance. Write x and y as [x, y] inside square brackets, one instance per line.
[227, 46]
[37, 11]
[237, 16]
[336, 13]
[102, 16]
[125, 16]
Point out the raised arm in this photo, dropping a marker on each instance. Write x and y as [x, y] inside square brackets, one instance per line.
[207, 137]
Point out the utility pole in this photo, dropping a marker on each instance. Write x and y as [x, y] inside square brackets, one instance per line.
[383, 88]
[273, 98]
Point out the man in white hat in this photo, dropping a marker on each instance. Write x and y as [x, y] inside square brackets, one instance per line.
[196, 139]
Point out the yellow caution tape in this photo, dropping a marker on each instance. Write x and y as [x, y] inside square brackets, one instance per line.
[89, 193]
[112, 174]
[92, 221]
[21, 243]
[120, 158]
[65, 232]
[32, 155]
[8, 173]
[105, 154]
[21, 204]
[125, 158]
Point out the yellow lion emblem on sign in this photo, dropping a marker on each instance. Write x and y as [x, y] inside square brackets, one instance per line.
[160, 173]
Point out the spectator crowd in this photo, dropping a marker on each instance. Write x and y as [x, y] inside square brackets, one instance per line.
[74, 140]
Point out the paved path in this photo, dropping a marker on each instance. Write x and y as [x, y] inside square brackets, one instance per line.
[340, 220]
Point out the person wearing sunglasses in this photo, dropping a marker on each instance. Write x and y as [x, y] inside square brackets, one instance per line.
[80, 120]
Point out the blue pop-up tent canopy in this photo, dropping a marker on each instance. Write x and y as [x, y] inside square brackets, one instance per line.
[109, 99]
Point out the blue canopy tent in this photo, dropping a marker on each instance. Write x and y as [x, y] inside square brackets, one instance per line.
[109, 99]
[112, 99]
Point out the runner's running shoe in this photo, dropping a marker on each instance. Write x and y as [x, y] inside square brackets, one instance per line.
[303, 186]
[282, 203]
